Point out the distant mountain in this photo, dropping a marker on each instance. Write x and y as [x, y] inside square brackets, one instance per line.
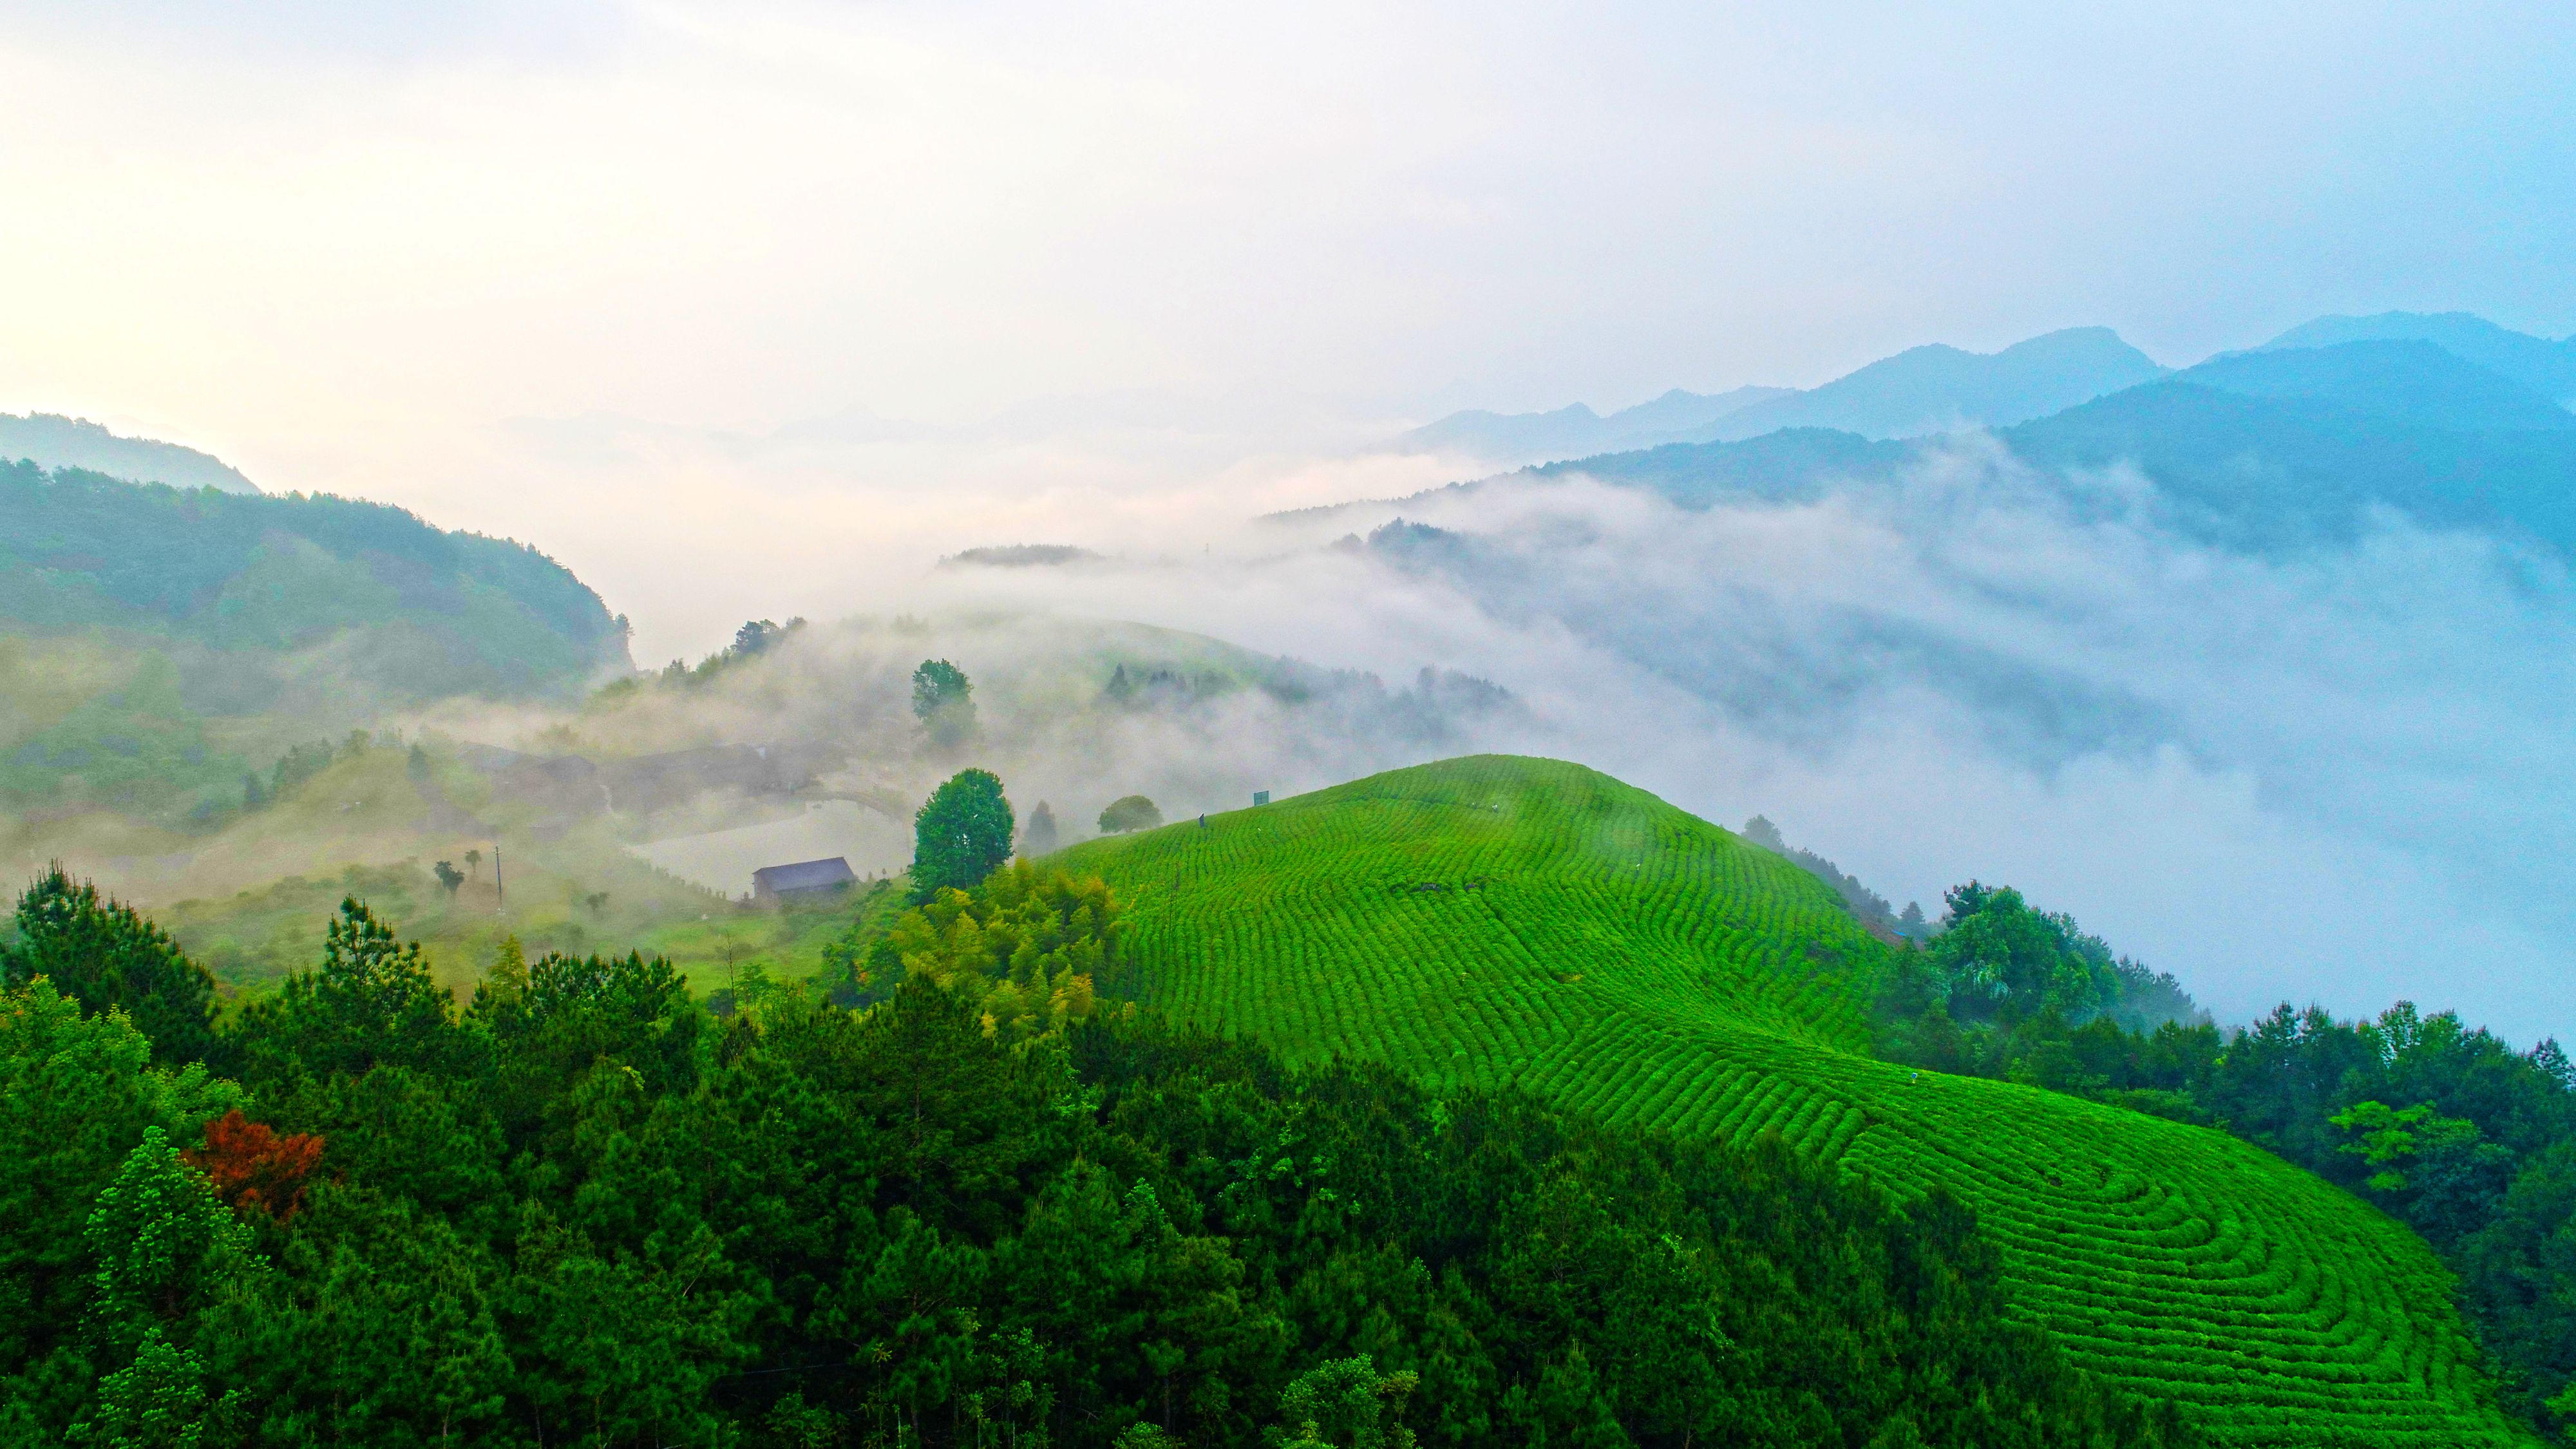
[2412, 382]
[2263, 471]
[2248, 470]
[1921, 390]
[2547, 368]
[391, 604]
[52, 441]
[1778, 467]
[1941, 389]
[1577, 431]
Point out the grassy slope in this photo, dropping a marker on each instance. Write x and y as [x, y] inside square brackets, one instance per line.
[1499, 919]
[364, 827]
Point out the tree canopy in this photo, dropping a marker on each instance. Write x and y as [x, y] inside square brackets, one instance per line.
[944, 701]
[107, 957]
[2452, 1132]
[1130, 812]
[580, 1211]
[961, 834]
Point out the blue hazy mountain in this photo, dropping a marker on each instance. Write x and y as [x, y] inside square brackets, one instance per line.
[1578, 431]
[2413, 382]
[1920, 390]
[1939, 389]
[2261, 450]
[52, 441]
[2271, 471]
[1777, 467]
[2546, 367]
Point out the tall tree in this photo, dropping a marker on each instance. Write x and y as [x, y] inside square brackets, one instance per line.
[82, 1091]
[105, 956]
[943, 699]
[961, 834]
[755, 637]
[1040, 837]
[373, 1001]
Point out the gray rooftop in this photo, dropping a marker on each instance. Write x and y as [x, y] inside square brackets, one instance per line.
[804, 875]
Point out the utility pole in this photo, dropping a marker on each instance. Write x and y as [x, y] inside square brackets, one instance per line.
[500, 897]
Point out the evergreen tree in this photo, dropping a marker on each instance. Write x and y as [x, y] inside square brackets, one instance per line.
[82, 1091]
[1040, 837]
[162, 1241]
[373, 1001]
[107, 957]
[961, 834]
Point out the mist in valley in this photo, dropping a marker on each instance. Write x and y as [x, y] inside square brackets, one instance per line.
[2323, 774]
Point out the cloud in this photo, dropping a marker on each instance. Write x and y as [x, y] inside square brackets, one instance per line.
[2333, 775]
[324, 240]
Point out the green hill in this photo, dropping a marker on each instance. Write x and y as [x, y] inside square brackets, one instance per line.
[387, 601]
[1497, 919]
[49, 440]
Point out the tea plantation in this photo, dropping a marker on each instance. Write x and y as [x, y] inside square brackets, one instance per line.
[1511, 920]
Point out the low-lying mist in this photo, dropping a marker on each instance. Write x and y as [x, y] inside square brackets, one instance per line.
[2336, 775]
[2332, 774]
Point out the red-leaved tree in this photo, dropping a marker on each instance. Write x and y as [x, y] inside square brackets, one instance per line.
[254, 1168]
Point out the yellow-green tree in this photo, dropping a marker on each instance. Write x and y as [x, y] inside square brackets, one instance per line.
[1033, 945]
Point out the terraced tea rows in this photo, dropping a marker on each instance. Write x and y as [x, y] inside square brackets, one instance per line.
[1498, 919]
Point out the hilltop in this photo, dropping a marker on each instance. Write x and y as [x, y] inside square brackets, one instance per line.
[1493, 920]
[1929, 389]
[50, 440]
[417, 611]
[158, 643]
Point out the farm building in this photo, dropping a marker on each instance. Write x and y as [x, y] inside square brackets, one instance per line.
[772, 884]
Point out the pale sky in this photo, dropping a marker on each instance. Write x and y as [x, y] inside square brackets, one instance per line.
[321, 238]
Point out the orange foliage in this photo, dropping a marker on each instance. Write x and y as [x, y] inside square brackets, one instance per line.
[252, 1167]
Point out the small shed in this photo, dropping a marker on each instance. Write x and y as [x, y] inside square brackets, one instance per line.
[772, 884]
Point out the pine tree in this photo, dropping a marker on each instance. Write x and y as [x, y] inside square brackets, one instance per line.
[1040, 837]
[107, 957]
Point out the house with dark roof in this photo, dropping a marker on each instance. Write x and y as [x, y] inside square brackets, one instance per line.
[774, 884]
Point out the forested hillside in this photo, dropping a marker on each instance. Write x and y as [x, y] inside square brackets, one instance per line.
[580, 1210]
[1495, 920]
[50, 440]
[404, 608]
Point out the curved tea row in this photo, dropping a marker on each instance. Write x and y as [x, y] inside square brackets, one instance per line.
[1503, 920]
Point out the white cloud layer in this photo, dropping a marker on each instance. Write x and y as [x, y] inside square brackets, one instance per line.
[2335, 776]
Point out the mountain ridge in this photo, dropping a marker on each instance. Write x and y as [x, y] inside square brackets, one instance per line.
[2544, 365]
[51, 440]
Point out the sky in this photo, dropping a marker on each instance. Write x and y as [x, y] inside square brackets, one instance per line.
[747, 310]
[326, 239]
